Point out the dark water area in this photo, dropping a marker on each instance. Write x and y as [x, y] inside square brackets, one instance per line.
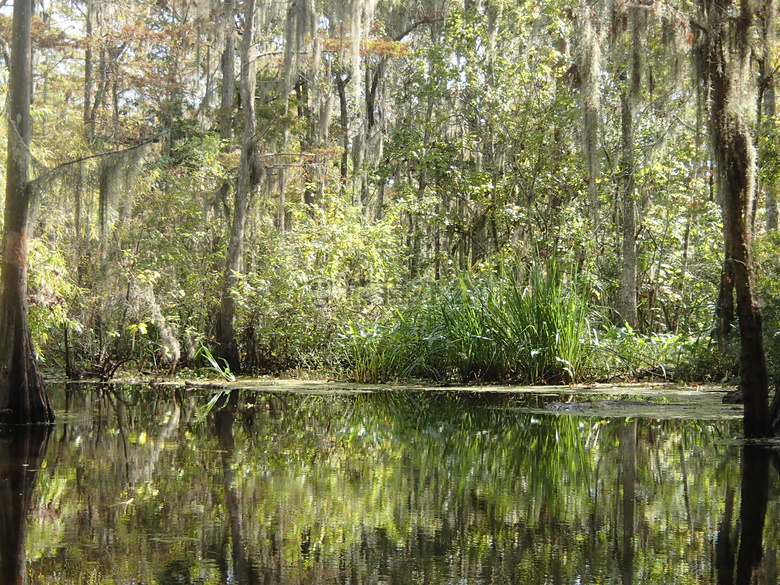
[147, 486]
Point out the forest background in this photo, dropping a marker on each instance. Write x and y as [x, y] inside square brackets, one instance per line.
[462, 191]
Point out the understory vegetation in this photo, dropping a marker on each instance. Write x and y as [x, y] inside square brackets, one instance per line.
[550, 329]
[456, 192]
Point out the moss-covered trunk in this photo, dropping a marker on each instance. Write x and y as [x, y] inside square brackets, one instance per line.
[23, 398]
[735, 157]
[248, 178]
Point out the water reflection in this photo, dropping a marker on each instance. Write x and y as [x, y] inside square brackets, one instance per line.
[21, 453]
[413, 488]
[628, 439]
[750, 528]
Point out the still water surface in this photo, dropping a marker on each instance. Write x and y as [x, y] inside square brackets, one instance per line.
[142, 486]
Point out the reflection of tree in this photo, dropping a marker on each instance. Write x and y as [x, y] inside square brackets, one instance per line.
[423, 487]
[21, 453]
[224, 424]
[628, 436]
[752, 515]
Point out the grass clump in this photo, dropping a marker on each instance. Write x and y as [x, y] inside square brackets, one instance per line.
[481, 328]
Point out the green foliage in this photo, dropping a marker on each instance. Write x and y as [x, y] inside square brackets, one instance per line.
[545, 325]
[223, 369]
[767, 271]
[379, 353]
[466, 157]
[485, 328]
[52, 294]
[306, 284]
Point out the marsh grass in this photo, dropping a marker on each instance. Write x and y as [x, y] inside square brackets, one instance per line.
[545, 325]
[481, 328]
[378, 353]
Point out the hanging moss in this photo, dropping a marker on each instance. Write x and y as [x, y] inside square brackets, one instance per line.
[118, 174]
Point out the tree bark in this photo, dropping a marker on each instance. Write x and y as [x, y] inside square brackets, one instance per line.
[248, 178]
[767, 105]
[228, 95]
[628, 308]
[89, 121]
[342, 79]
[735, 158]
[23, 398]
[591, 101]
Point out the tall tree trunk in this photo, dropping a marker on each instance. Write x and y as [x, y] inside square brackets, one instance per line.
[767, 103]
[735, 157]
[23, 398]
[227, 65]
[342, 79]
[227, 95]
[630, 98]
[591, 100]
[628, 309]
[89, 121]
[248, 178]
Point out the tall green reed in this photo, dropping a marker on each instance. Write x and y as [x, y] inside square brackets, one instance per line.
[544, 324]
[486, 328]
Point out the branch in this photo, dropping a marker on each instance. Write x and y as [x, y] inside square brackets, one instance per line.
[428, 19]
[48, 174]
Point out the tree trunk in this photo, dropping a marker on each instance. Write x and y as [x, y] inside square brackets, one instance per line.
[89, 121]
[735, 157]
[628, 100]
[591, 101]
[724, 311]
[248, 178]
[225, 118]
[628, 309]
[23, 398]
[767, 103]
[21, 454]
[342, 80]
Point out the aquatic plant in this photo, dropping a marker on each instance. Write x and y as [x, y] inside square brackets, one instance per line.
[489, 327]
[544, 324]
[376, 352]
[223, 370]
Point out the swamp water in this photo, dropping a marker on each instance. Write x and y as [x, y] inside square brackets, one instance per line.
[148, 486]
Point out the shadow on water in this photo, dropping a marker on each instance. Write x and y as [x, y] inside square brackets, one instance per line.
[151, 486]
[21, 453]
